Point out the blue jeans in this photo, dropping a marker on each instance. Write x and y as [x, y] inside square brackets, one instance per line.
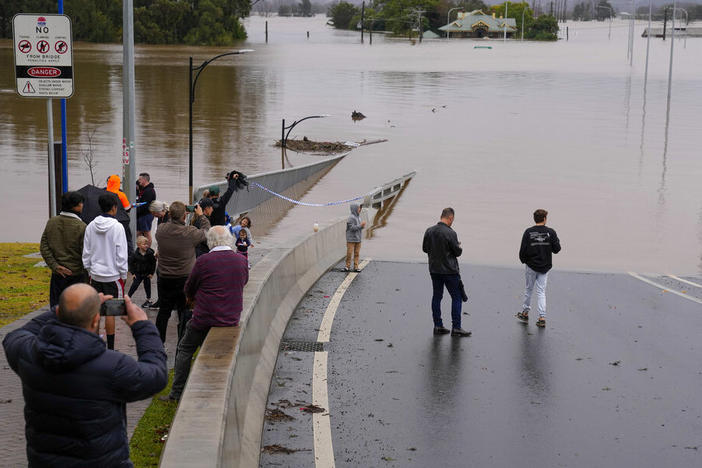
[452, 285]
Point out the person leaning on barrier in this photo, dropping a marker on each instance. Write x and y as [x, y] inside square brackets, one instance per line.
[235, 181]
[62, 246]
[176, 257]
[215, 286]
[76, 391]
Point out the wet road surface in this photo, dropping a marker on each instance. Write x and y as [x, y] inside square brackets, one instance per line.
[614, 379]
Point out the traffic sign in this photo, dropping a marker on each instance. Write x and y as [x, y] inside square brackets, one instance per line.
[43, 55]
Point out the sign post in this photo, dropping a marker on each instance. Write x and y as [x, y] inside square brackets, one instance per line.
[43, 50]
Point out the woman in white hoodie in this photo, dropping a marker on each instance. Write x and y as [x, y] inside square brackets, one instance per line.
[105, 256]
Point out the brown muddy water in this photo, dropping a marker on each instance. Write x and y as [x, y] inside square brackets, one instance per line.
[495, 133]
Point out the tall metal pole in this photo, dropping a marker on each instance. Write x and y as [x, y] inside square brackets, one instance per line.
[523, 9]
[52, 168]
[128, 112]
[670, 66]
[190, 131]
[64, 154]
[363, 14]
[504, 23]
[648, 43]
[631, 33]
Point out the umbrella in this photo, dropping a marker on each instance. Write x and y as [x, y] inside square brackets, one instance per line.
[91, 209]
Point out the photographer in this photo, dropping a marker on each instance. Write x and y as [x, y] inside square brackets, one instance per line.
[235, 181]
[75, 390]
[176, 257]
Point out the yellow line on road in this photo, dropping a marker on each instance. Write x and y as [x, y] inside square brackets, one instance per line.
[665, 288]
[321, 422]
[685, 281]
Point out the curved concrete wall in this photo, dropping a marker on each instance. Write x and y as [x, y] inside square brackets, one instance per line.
[220, 416]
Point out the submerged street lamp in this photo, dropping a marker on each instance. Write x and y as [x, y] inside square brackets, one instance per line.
[191, 90]
[448, 20]
[284, 136]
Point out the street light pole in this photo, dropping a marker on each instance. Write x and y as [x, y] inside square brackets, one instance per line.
[504, 22]
[191, 98]
[284, 136]
[523, 10]
[611, 14]
[448, 20]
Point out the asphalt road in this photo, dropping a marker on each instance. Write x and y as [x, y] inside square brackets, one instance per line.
[613, 381]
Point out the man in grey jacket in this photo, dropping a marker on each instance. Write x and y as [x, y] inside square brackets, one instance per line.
[442, 246]
[354, 226]
[176, 258]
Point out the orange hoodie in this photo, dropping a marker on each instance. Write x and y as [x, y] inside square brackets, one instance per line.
[113, 184]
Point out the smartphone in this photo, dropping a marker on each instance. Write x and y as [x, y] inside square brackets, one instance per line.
[190, 208]
[113, 307]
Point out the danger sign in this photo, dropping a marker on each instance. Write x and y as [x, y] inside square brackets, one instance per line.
[43, 55]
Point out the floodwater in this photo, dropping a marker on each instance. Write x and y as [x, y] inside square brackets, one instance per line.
[494, 133]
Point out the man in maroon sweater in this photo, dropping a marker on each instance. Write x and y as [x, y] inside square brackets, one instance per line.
[216, 286]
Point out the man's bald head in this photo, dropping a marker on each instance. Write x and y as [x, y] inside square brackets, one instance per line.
[78, 305]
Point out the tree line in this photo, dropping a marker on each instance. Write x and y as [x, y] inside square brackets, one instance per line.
[399, 16]
[194, 22]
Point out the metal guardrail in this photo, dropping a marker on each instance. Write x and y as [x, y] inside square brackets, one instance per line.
[387, 191]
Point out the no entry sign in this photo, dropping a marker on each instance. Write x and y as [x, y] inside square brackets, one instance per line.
[43, 55]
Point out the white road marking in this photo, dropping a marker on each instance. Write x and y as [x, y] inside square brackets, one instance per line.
[321, 422]
[665, 288]
[685, 281]
[330, 313]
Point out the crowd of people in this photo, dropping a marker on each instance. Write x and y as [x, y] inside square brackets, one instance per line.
[75, 384]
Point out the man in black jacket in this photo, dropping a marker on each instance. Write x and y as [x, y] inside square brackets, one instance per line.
[145, 194]
[538, 243]
[442, 246]
[75, 390]
[218, 218]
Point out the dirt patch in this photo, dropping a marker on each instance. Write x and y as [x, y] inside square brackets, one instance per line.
[275, 448]
[277, 415]
[312, 409]
[309, 146]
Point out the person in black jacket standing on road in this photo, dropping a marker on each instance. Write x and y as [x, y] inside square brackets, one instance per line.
[538, 243]
[442, 246]
[76, 391]
[145, 194]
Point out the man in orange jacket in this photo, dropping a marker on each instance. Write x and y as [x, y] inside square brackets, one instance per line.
[113, 185]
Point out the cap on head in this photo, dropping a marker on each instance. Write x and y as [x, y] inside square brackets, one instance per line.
[214, 190]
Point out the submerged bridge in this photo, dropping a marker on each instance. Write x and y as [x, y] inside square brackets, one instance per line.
[331, 368]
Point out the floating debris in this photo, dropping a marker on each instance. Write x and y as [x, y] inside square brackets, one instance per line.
[306, 145]
[312, 409]
[277, 415]
[355, 116]
[275, 448]
[615, 363]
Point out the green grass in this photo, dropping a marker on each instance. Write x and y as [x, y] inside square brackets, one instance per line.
[147, 441]
[23, 287]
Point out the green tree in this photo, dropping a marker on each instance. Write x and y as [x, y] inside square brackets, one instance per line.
[305, 8]
[604, 10]
[342, 13]
[545, 28]
[514, 10]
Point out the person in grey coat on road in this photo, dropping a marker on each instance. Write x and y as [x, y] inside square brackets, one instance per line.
[354, 226]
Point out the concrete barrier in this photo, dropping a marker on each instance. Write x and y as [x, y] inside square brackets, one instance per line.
[220, 416]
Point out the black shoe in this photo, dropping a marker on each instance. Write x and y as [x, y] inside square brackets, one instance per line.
[146, 304]
[356, 270]
[345, 270]
[460, 332]
[441, 331]
[155, 305]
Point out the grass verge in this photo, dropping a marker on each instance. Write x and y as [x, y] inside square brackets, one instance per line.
[150, 434]
[24, 287]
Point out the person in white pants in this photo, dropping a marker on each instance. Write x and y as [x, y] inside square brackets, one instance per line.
[538, 244]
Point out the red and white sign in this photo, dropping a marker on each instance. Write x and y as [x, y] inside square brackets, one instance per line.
[43, 55]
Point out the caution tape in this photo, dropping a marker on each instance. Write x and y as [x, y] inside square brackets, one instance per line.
[298, 202]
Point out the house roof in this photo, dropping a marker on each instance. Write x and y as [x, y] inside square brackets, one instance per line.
[468, 21]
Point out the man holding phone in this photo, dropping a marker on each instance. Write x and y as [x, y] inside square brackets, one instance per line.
[76, 391]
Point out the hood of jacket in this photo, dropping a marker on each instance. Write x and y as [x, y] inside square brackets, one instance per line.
[354, 209]
[113, 183]
[61, 347]
[104, 223]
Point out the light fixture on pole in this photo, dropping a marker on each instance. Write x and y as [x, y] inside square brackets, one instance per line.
[284, 136]
[191, 99]
[448, 20]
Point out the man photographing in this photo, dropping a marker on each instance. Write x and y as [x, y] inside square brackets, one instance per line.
[76, 391]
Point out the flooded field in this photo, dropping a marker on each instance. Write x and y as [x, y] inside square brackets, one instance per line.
[495, 133]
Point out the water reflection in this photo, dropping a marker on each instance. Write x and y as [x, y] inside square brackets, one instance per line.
[535, 370]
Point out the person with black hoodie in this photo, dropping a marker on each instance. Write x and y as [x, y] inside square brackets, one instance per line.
[142, 266]
[538, 243]
[145, 194]
[76, 391]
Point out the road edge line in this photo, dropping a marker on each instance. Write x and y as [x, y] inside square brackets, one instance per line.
[676, 278]
[664, 288]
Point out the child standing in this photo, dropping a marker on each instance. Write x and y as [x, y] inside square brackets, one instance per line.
[354, 226]
[142, 265]
[242, 244]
